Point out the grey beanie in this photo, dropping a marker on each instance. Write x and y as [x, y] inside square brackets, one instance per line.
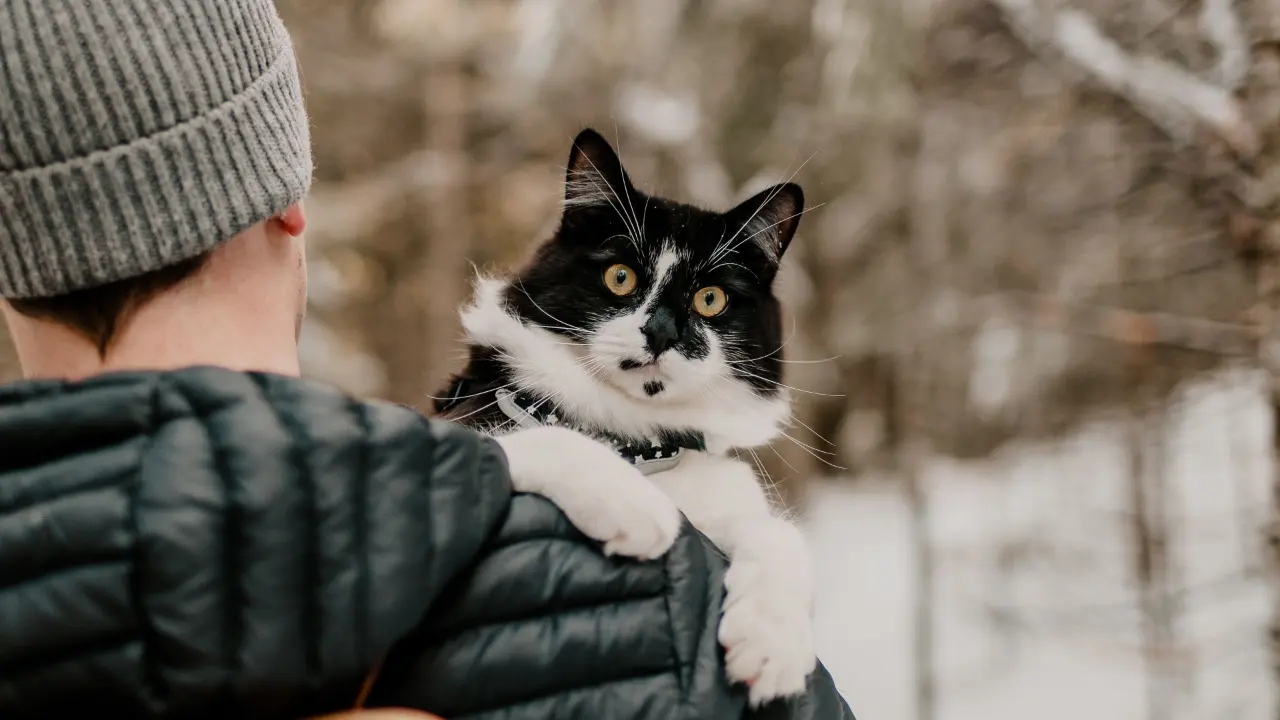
[135, 134]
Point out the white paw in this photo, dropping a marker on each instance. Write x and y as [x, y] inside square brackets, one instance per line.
[604, 496]
[621, 508]
[638, 522]
[767, 632]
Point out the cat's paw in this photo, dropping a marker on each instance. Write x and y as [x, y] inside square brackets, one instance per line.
[767, 629]
[639, 520]
[604, 496]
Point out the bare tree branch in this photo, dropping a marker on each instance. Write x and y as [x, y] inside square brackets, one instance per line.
[1221, 26]
[1123, 326]
[1171, 97]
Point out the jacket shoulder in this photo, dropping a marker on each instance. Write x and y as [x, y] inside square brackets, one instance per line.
[216, 541]
[544, 625]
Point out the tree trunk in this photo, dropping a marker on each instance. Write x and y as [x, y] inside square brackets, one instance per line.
[1152, 563]
[1253, 228]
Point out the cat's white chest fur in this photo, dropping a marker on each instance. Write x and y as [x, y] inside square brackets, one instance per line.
[766, 628]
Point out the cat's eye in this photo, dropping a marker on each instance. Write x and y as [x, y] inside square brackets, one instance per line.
[710, 301]
[620, 279]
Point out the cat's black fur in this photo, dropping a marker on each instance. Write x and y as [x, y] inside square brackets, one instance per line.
[561, 288]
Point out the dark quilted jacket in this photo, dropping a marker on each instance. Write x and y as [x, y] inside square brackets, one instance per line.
[210, 544]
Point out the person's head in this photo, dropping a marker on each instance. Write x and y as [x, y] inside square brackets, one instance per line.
[153, 160]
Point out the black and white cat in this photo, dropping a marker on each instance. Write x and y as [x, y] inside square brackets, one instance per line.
[621, 365]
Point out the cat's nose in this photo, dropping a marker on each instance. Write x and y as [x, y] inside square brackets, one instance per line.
[660, 331]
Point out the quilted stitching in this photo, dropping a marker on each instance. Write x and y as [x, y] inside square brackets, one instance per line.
[210, 544]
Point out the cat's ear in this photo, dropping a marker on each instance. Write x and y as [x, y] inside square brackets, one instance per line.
[770, 218]
[595, 176]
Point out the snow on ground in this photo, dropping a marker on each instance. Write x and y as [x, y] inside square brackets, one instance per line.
[1054, 632]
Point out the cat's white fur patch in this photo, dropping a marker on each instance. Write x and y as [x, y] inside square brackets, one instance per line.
[603, 495]
[729, 414]
[667, 260]
[622, 338]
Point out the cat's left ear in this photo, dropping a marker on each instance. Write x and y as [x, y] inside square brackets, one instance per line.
[770, 218]
[595, 176]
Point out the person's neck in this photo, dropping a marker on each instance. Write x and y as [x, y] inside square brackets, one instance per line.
[168, 333]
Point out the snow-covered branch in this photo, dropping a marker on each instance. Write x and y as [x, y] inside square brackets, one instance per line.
[1172, 97]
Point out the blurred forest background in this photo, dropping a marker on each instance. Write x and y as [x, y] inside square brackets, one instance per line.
[1031, 306]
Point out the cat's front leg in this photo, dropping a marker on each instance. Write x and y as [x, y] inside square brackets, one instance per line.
[767, 626]
[604, 496]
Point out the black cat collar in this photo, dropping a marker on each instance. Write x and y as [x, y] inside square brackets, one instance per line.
[648, 455]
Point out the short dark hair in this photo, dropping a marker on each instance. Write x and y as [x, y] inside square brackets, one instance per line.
[99, 312]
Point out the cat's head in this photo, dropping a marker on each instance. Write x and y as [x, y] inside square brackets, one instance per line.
[661, 309]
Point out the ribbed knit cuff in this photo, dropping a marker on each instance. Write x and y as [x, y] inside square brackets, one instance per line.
[135, 208]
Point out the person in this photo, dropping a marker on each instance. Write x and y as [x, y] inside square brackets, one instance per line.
[188, 529]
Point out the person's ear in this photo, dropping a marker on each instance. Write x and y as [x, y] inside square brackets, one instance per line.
[293, 220]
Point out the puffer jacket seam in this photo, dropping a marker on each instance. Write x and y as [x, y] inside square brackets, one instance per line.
[116, 640]
[509, 707]
[613, 603]
[363, 581]
[151, 671]
[100, 483]
[575, 540]
[301, 448]
[677, 663]
[232, 595]
[124, 558]
[701, 633]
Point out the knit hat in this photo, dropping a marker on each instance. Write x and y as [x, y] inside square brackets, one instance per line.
[135, 134]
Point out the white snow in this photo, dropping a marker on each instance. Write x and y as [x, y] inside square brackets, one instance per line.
[1057, 633]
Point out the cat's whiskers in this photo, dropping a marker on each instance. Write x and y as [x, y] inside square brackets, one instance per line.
[777, 383]
[794, 327]
[748, 361]
[566, 325]
[767, 482]
[783, 459]
[636, 220]
[594, 366]
[719, 252]
[767, 229]
[609, 196]
[816, 453]
[466, 397]
[509, 421]
[477, 411]
[482, 408]
[734, 264]
[632, 229]
[792, 417]
[833, 358]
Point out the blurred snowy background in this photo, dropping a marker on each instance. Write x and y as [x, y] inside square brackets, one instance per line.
[1032, 309]
[1038, 607]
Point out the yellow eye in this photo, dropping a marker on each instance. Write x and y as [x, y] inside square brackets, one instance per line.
[709, 301]
[620, 279]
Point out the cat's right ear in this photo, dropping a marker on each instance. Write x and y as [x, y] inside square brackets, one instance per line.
[595, 177]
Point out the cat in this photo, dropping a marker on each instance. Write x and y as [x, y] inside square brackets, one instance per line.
[620, 367]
